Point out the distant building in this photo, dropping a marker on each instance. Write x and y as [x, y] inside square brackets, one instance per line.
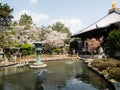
[102, 27]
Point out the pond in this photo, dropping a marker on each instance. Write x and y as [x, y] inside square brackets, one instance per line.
[58, 75]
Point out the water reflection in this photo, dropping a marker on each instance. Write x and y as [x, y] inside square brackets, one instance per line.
[88, 77]
[38, 84]
[12, 70]
[58, 75]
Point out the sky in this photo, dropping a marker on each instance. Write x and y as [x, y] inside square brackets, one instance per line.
[74, 14]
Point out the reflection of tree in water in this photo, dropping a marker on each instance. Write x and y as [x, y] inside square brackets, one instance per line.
[38, 84]
[2, 82]
[19, 81]
[1, 86]
[84, 74]
[61, 72]
[88, 76]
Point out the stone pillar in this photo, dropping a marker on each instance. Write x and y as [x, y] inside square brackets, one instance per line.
[38, 60]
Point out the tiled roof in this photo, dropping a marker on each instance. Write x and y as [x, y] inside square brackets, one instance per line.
[107, 20]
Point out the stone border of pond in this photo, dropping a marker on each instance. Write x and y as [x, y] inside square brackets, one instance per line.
[113, 83]
[25, 61]
[7, 65]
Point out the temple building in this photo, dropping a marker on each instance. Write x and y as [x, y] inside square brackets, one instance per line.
[100, 28]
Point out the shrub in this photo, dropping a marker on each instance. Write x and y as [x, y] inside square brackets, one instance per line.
[118, 64]
[100, 65]
[114, 41]
[26, 49]
[105, 64]
[111, 63]
[57, 50]
[115, 73]
[96, 62]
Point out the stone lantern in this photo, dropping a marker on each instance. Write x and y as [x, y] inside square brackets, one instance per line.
[38, 48]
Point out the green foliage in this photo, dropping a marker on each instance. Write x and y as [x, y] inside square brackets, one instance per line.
[14, 23]
[66, 48]
[114, 41]
[26, 49]
[26, 21]
[73, 44]
[105, 64]
[109, 68]
[5, 14]
[59, 27]
[100, 66]
[3, 39]
[57, 50]
[105, 72]
[5, 10]
[13, 43]
[115, 73]
[13, 32]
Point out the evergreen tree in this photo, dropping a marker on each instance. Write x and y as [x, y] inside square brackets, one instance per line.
[114, 41]
[73, 45]
[59, 27]
[26, 49]
[26, 21]
[5, 16]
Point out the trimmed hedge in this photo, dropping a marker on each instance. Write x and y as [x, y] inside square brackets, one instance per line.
[112, 67]
[104, 64]
[114, 42]
[115, 73]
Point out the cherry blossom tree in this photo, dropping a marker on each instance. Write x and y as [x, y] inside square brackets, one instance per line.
[55, 39]
[94, 44]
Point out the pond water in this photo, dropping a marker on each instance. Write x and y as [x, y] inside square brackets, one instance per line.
[58, 75]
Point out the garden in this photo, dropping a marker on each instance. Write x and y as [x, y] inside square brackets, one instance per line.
[110, 68]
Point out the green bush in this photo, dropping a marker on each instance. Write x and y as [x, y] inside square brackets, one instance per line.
[96, 62]
[73, 44]
[26, 49]
[57, 50]
[114, 41]
[99, 64]
[115, 73]
[108, 66]
[111, 64]
[105, 64]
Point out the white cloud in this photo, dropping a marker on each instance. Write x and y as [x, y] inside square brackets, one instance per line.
[36, 17]
[73, 24]
[33, 1]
